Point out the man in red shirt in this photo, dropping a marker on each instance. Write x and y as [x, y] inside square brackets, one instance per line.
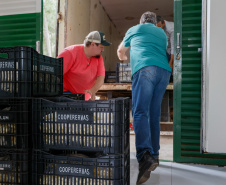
[83, 65]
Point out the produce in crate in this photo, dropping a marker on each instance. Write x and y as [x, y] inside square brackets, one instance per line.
[7, 134]
[64, 133]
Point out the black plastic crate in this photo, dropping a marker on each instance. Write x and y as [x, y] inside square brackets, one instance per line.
[63, 123]
[15, 167]
[123, 73]
[15, 123]
[26, 73]
[110, 77]
[69, 169]
[78, 96]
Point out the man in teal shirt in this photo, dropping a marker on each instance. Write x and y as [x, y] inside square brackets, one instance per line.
[150, 77]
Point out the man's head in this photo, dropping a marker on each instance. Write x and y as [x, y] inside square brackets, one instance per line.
[160, 22]
[96, 41]
[148, 17]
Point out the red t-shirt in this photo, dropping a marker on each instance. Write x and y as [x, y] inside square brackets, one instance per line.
[80, 72]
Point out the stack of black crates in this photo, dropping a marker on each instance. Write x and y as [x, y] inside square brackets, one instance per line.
[24, 74]
[50, 138]
[81, 142]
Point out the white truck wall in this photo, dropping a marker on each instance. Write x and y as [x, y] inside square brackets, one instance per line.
[214, 111]
[83, 16]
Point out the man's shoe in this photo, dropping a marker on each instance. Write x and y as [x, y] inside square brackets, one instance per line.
[143, 177]
[148, 158]
[157, 159]
[146, 165]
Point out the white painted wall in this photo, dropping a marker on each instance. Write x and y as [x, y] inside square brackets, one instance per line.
[78, 17]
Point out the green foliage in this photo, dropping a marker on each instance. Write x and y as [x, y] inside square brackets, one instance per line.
[49, 18]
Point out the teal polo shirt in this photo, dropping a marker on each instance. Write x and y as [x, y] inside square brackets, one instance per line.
[148, 47]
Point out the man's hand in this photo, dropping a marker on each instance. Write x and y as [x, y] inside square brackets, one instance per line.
[171, 61]
[121, 52]
[92, 91]
[92, 94]
[123, 57]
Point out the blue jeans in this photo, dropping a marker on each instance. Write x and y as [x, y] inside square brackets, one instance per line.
[148, 87]
[67, 92]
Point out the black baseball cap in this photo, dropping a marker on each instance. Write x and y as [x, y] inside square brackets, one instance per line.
[97, 37]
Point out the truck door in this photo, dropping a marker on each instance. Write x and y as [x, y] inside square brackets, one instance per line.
[188, 86]
[21, 23]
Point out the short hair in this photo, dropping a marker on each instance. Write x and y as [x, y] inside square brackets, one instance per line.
[88, 43]
[148, 17]
[159, 18]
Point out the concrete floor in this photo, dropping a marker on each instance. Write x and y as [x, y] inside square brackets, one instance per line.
[170, 173]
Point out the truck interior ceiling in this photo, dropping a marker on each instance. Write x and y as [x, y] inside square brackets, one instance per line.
[126, 13]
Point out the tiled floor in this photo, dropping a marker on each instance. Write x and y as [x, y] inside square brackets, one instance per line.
[170, 173]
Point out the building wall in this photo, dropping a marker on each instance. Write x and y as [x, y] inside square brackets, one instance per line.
[79, 17]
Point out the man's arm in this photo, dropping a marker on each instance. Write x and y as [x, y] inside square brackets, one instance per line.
[171, 60]
[121, 52]
[99, 82]
[172, 49]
